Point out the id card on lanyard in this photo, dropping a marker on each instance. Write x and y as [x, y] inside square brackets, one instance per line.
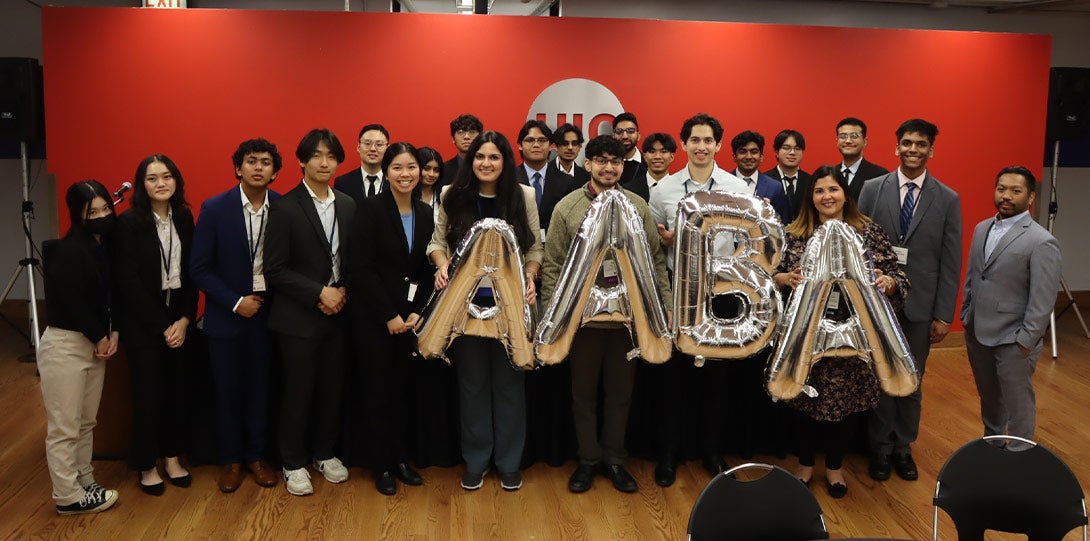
[166, 255]
[332, 252]
[255, 245]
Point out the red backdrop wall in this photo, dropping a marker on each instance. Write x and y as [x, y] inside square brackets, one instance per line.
[123, 83]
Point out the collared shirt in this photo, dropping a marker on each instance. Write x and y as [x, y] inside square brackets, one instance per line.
[327, 213]
[637, 157]
[560, 166]
[672, 188]
[787, 184]
[255, 228]
[377, 181]
[530, 173]
[750, 181]
[903, 181]
[999, 228]
[853, 168]
[170, 251]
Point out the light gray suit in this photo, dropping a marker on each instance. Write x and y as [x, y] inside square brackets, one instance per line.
[1008, 299]
[933, 241]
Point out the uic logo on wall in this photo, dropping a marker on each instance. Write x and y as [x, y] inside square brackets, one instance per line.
[587, 104]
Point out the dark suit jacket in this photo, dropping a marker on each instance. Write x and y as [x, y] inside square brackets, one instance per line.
[582, 176]
[138, 270]
[450, 170]
[220, 264]
[802, 188]
[634, 179]
[297, 260]
[772, 189]
[76, 292]
[933, 240]
[866, 171]
[557, 185]
[381, 265]
[351, 183]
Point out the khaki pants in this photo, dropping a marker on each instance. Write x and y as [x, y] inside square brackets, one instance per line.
[71, 388]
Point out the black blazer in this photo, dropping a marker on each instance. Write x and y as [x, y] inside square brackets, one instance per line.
[138, 268]
[450, 170]
[297, 260]
[634, 179]
[351, 183]
[557, 185]
[582, 176]
[77, 294]
[802, 188]
[381, 265]
[866, 171]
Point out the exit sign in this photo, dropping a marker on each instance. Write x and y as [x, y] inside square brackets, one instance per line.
[164, 3]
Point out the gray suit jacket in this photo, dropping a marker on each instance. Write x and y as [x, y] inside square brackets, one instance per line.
[933, 241]
[1009, 297]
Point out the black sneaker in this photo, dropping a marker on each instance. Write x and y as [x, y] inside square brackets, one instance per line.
[511, 480]
[93, 487]
[473, 480]
[92, 502]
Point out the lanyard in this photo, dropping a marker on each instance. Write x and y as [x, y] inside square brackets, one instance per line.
[686, 184]
[170, 248]
[255, 243]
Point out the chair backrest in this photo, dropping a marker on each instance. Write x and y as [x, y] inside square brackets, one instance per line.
[774, 507]
[1030, 491]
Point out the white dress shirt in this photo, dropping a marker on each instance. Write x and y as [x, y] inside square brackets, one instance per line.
[170, 251]
[328, 214]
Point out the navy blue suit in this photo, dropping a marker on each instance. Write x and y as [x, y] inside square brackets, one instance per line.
[773, 190]
[238, 347]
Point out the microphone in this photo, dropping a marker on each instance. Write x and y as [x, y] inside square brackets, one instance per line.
[119, 195]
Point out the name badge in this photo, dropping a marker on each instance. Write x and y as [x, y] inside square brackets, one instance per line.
[834, 301]
[259, 283]
[412, 291]
[542, 235]
[902, 255]
[609, 271]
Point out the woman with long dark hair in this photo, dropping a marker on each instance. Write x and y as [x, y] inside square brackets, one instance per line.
[846, 387]
[391, 282]
[431, 170]
[75, 346]
[159, 303]
[492, 393]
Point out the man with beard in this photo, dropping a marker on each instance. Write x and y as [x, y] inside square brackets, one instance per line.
[627, 130]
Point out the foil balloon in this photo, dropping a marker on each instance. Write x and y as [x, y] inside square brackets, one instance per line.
[611, 226]
[488, 254]
[835, 256]
[726, 244]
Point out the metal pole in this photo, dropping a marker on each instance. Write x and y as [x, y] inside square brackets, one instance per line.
[30, 261]
[1053, 208]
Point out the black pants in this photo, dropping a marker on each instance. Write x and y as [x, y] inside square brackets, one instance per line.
[240, 367]
[384, 362]
[598, 356]
[315, 370]
[836, 436]
[160, 397]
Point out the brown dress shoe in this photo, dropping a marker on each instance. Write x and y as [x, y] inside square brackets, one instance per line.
[262, 474]
[230, 478]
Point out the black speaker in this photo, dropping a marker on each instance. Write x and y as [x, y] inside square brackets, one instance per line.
[1068, 104]
[22, 115]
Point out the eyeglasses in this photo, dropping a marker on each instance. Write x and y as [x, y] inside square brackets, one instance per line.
[535, 141]
[789, 149]
[854, 136]
[367, 143]
[600, 161]
[573, 144]
[622, 131]
[470, 133]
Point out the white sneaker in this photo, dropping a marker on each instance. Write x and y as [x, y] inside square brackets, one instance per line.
[332, 470]
[298, 482]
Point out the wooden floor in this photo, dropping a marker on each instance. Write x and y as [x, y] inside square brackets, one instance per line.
[543, 509]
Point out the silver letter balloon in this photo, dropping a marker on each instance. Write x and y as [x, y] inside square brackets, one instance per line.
[611, 224]
[726, 244]
[835, 255]
[488, 251]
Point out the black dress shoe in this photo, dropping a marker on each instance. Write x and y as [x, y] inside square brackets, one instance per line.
[837, 490]
[879, 467]
[582, 479]
[714, 464]
[408, 475]
[905, 466]
[153, 490]
[183, 481]
[622, 481]
[665, 473]
[385, 483]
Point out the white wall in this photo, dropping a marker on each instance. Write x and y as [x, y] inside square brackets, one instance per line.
[20, 35]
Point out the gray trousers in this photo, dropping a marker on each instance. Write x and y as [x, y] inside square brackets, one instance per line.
[492, 400]
[1004, 379]
[598, 355]
[895, 422]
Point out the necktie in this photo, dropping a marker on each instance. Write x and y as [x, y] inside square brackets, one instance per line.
[371, 181]
[537, 187]
[847, 175]
[790, 181]
[907, 207]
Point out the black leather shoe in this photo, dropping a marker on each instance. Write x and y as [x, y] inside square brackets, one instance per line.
[622, 481]
[385, 483]
[879, 467]
[408, 475]
[714, 464]
[665, 473]
[837, 490]
[905, 467]
[582, 479]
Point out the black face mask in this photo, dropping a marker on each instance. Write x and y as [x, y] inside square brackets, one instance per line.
[101, 226]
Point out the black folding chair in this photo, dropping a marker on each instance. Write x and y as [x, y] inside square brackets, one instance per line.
[984, 486]
[774, 507]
